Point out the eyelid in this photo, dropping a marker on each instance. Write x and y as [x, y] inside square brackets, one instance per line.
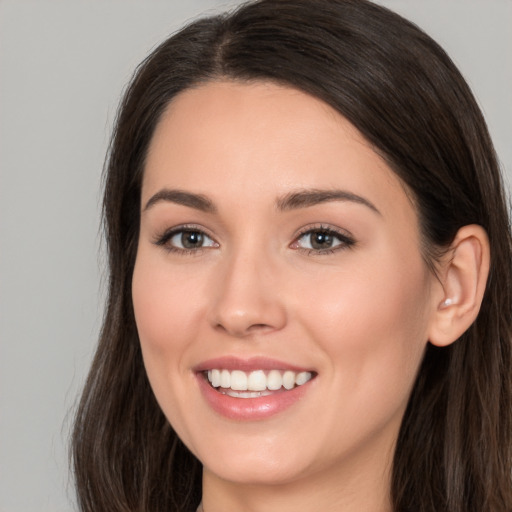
[162, 239]
[345, 237]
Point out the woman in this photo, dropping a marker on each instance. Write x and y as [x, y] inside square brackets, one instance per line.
[309, 300]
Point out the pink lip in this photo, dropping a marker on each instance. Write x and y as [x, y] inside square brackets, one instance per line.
[249, 409]
[247, 365]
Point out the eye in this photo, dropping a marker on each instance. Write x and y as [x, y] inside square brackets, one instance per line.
[322, 240]
[185, 240]
[191, 240]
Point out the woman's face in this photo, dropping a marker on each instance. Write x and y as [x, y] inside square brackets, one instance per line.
[279, 259]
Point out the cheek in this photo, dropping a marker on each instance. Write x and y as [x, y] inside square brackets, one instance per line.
[166, 309]
[373, 324]
[167, 306]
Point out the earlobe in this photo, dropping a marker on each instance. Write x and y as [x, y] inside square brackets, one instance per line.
[463, 278]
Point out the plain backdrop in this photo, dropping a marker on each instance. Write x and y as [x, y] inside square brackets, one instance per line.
[63, 66]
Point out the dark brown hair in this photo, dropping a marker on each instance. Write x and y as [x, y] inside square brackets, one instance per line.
[404, 94]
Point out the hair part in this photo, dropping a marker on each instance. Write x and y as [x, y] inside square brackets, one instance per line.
[406, 97]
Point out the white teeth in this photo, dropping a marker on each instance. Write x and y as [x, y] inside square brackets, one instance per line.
[238, 381]
[246, 394]
[289, 380]
[256, 383]
[300, 379]
[214, 378]
[225, 379]
[274, 380]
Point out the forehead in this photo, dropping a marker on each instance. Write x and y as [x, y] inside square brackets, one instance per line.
[250, 140]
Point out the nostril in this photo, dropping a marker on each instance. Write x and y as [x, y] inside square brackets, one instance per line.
[258, 326]
[242, 330]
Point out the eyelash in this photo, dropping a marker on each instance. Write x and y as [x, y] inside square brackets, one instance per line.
[345, 240]
[164, 239]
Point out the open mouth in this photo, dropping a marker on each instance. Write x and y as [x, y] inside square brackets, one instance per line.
[257, 383]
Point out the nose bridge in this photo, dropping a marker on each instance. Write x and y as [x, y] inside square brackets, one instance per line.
[247, 300]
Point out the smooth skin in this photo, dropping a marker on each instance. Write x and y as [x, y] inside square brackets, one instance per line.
[249, 278]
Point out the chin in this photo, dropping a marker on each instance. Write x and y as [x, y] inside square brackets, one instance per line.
[254, 470]
[253, 459]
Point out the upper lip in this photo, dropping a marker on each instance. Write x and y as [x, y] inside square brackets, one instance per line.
[254, 363]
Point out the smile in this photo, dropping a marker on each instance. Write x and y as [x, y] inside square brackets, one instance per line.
[257, 383]
[253, 389]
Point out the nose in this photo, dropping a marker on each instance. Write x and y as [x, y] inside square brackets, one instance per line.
[248, 299]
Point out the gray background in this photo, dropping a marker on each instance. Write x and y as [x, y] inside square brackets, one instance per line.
[63, 65]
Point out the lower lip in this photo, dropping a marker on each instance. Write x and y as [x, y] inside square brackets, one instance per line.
[250, 409]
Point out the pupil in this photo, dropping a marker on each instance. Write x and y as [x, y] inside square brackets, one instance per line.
[321, 240]
[191, 239]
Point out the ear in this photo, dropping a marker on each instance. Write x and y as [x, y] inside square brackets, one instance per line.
[463, 276]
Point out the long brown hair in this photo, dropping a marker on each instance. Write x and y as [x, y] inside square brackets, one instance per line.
[404, 94]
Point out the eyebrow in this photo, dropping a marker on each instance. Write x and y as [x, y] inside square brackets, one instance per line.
[312, 197]
[196, 201]
[292, 201]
